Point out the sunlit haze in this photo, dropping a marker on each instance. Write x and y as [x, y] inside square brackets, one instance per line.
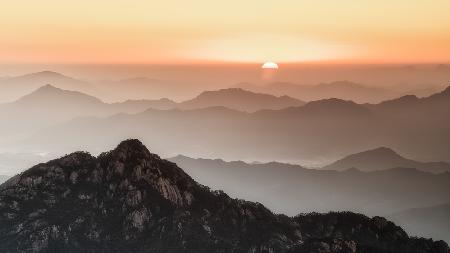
[200, 126]
[132, 31]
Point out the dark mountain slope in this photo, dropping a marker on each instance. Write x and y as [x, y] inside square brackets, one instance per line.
[129, 200]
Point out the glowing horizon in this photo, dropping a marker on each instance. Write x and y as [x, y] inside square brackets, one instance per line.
[138, 32]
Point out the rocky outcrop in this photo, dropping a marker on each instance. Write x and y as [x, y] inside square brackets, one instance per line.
[129, 200]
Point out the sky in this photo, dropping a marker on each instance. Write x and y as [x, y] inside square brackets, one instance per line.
[200, 31]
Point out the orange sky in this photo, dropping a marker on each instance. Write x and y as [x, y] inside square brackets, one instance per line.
[133, 31]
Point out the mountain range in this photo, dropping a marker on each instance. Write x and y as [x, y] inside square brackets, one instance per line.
[12, 88]
[322, 130]
[49, 105]
[291, 189]
[241, 100]
[143, 88]
[130, 200]
[384, 158]
[345, 90]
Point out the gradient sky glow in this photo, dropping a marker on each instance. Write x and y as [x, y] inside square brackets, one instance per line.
[134, 31]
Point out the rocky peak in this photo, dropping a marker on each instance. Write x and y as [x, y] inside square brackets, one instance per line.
[130, 150]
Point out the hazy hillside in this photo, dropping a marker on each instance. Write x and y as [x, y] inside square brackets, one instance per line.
[239, 99]
[340, 89]
[49, 105]
[12, 88]
[291, 189]
[384, 158]
[319, 131]
[138, 88]
[143, 104]
[432, 221]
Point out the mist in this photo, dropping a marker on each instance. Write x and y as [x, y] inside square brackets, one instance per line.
[311, 138]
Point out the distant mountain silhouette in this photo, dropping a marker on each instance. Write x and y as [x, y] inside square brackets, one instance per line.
[14, 87]
[130, 200]
[433, 221]
[143, 104]
[384, 158]
[345, 90]
[291, 189]
[138, 88]
[51, 95]
[333, 108]
[320, 130]
[133, 88]
[239, 99]
[49, 105]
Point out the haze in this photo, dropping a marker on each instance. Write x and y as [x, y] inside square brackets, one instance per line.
[136, 31]
[353, 114]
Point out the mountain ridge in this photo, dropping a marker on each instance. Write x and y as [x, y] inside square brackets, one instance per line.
[240, 99]
[346, 90]
[129, 200]
[384, 158]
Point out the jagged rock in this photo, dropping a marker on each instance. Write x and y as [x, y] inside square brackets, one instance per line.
[129, 200]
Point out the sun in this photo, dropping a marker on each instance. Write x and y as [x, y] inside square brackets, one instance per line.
[270, 65]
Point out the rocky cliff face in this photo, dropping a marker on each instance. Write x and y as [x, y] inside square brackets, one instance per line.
[129, 200]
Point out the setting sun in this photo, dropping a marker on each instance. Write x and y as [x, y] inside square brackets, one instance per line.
[270, 65]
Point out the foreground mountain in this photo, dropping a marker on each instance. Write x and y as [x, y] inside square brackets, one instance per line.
[239, 99]
[129, 200]
[384, 158]
[432, 221]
